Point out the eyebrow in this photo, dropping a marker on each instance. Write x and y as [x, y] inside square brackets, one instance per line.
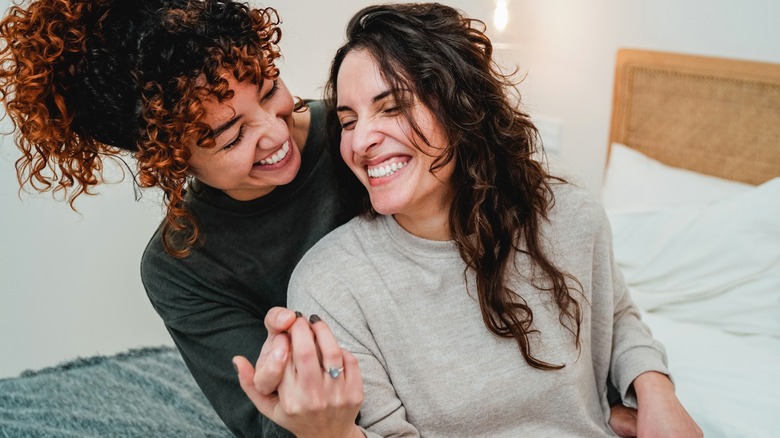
[374, 99]
[225, 126]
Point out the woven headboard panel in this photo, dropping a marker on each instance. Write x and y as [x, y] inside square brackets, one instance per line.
[715, 116]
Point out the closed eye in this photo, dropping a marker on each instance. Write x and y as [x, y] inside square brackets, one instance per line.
[391, 110]
[235, 141]
[271, 92]
[389, 106]
[348, 124]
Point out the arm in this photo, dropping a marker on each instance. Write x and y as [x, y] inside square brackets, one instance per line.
[660, 413]
[208, 334]
[208, 353]
[640, 372]
[634, 351]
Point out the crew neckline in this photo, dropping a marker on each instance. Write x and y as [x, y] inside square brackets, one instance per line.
[407, 242]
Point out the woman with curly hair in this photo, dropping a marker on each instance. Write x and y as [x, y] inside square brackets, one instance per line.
[478, 292]
[190, 89]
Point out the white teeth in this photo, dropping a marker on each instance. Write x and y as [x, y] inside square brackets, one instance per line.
[383, 171]
[278, 155]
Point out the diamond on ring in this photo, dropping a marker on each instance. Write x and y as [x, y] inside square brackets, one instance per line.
[334, 372]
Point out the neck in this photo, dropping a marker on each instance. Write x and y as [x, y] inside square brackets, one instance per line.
[431, 224]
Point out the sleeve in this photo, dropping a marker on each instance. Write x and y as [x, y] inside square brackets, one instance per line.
[208, 335]
[382, 413]
[634, 350]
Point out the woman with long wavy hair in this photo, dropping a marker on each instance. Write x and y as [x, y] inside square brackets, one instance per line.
[477, 292]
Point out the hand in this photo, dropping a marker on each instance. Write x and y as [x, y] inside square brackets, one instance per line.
[310, 402]
[623, 421]
[660, 413]
[273, 356]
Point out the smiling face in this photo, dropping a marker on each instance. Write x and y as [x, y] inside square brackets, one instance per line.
[255, 151]
[381, 148]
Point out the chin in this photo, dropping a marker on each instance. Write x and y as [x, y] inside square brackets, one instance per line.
[385, 207]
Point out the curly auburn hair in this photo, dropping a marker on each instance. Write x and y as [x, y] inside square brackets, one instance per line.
[433, 54]
[83, 80]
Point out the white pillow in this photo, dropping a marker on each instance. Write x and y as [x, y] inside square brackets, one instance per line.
[716, 264]
[636, 182]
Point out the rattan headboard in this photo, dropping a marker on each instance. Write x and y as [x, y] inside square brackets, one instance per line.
[712, 115]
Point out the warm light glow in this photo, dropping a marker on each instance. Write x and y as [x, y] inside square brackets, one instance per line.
[501, 15]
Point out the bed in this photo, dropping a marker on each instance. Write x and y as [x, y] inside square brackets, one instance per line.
[692, 190]
[144, 392]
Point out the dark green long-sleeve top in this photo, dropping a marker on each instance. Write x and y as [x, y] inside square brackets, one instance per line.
[213, 302]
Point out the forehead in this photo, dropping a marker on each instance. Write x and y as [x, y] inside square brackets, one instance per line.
[359, 73]
[216, 111]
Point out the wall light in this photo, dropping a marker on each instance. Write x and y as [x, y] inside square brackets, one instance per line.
[501, 15]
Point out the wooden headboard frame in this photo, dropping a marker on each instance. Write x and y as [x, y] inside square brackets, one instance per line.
[716, 116]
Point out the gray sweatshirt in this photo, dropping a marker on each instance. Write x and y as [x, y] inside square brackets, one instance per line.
[431, 368]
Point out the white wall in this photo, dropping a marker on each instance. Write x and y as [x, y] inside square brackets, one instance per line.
[567, 49]
[69, 283]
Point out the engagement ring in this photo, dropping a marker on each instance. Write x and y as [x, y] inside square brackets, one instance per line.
[334, 372]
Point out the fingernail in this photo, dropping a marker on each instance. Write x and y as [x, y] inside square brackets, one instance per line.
[235, 367]
[314, 318]
[298, 314]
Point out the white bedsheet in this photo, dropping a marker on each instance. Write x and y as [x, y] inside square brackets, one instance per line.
[701, 257]
[730, 384]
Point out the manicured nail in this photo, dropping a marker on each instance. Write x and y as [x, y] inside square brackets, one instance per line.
[298, 314]
[314, 318]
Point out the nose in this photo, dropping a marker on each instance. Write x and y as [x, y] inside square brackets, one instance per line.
[365, 136]
[274, 130]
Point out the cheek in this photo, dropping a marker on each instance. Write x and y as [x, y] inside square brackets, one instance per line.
[194, 164]
[346, 149]
[285, 100]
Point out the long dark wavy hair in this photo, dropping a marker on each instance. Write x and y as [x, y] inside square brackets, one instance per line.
[83, 80]
[502, 193]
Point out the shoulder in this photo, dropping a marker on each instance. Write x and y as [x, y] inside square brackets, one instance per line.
[172, 284]
[572, 200]
[159, 270]
[154, 257]
[339, 256]
[575, 210]
[345, 242]
[570, 196]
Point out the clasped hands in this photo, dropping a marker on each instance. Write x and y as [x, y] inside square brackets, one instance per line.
[303, 380]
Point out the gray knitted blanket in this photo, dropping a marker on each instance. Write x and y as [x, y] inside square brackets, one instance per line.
[140, 393]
